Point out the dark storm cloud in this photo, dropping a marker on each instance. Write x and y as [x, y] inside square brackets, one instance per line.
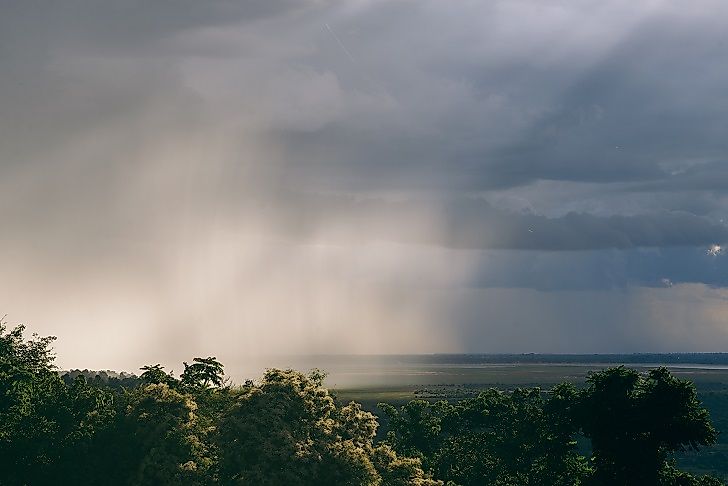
[708, 176]
[600, 269]
[88, 25]
[653, 105]
[638, 110]
[70, 67]
[476, 224]
[188, 159]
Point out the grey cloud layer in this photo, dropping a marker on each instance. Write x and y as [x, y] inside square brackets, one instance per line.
[636, 104]
[466, 223]
[477, 97]
[184, 159]
[600, 269]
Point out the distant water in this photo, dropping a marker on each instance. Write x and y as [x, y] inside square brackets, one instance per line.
[398, 371]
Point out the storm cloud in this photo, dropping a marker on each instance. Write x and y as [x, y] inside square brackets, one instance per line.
[363, 174]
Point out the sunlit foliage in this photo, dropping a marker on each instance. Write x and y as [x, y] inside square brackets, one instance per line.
[288, 429]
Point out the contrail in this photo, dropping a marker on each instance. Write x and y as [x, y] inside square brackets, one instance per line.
[373, 83]
[341, 44]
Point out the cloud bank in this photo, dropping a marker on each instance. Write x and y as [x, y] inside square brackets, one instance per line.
[363, 176]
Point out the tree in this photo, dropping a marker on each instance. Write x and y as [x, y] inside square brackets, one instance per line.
[289, 430]
[203, 372]
[415, 429]
[153, 374]
[499, 438]
[156, 440]
[44, 423]
[635, 421]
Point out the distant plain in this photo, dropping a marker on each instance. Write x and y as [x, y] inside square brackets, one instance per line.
[370, 380]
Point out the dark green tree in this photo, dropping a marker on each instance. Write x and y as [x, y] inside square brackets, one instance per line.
[203, 372]
[85, 429]
[636, 421]
[496, 438]
[45, 424]
[156, 439]
[155, 374]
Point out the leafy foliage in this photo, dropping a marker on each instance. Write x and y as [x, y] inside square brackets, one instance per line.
[635, 421]
[203, 373]
[158, 439]
[44, 423]
[496, 438]
[288, 429]
[527, 437]
[153, 374]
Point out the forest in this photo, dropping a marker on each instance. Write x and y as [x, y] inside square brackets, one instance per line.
[622, 427]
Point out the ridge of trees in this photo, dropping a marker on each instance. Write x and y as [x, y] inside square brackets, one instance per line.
[287, 429]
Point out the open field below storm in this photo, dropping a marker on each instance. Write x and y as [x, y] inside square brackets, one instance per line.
[397, 380]
[459, 381]
[408, 376]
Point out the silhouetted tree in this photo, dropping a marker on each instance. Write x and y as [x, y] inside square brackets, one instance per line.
[203, 372]
[155, 374]
[44, 423]
[635, 421]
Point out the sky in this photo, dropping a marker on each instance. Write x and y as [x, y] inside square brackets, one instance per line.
[246, 178]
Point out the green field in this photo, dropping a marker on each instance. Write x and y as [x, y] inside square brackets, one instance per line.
[436, 382]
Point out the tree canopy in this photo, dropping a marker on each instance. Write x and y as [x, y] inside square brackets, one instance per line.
[635, 421]
[287, 428]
